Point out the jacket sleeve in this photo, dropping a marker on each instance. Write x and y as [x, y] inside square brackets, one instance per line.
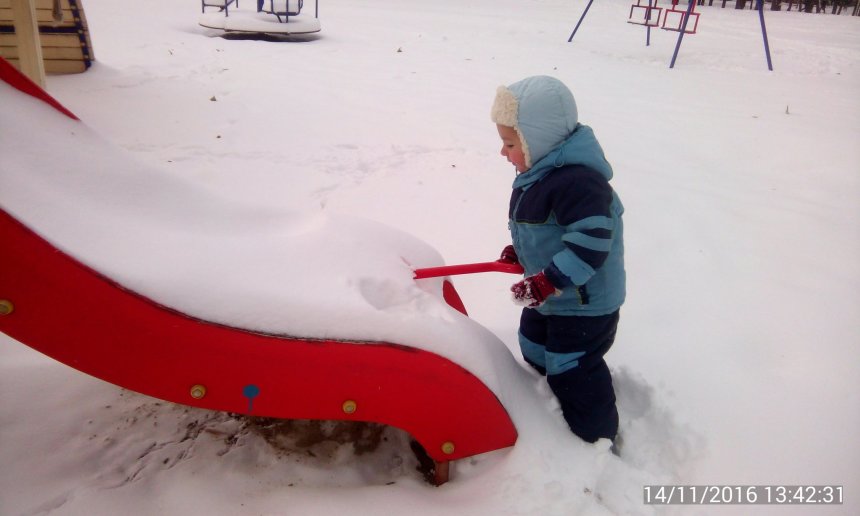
[583, 207]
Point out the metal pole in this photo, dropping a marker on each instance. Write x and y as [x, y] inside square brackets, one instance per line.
[764, 34]
[647, 24]
[587, 7]
[683, 29]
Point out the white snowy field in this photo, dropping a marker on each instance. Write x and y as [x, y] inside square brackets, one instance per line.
[738, 348]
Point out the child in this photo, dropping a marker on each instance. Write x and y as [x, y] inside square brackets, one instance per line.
[565, 222]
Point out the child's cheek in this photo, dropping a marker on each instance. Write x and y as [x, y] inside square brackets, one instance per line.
[519, 160]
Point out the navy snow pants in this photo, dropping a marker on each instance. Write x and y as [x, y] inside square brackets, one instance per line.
[569, 351]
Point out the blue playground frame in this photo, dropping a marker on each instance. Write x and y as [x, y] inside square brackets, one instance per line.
[224, 6]
[683, 30]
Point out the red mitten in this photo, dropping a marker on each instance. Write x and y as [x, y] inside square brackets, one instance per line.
[533, 291]
[509, 255]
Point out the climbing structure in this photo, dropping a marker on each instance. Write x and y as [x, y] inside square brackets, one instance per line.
[63, 33]
[72, 313]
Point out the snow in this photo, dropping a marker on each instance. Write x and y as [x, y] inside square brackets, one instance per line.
[736, 360]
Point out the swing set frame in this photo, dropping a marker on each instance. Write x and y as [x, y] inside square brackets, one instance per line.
[682, 26]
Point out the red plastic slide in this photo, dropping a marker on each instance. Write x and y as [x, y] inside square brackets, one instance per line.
[60, 307]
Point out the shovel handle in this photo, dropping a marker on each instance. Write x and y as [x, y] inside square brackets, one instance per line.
[468, 268]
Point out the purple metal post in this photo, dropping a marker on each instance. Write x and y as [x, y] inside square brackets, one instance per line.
[764, 34]
[648, 24]
[587, 7]
[690, 5]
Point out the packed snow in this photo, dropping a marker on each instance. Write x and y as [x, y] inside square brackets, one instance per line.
[736, 359]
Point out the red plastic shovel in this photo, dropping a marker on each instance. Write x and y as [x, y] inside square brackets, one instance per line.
[468, 268]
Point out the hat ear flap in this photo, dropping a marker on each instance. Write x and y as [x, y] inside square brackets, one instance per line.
[505, 112]
[505, 108]
[524, 145]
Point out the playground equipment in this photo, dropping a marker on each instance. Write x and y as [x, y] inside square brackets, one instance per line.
[681, 18]
[283, 8]
[45, 36]
[272, 17]
[640, 15]
[61, 307]
[648, 14]
[644, 14]
[221, 5]
[683, 30]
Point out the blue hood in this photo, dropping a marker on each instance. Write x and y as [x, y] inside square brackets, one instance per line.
[580, 148]
[543, 111]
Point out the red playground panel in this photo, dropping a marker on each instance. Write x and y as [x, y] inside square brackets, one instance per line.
[677, 18]
[62, 308]
[645, 14]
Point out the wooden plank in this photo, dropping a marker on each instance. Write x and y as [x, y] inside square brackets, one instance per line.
[47, 53]
[40, 4]
[48, 40]
[43, 17]
[57, 67]
[63, 53]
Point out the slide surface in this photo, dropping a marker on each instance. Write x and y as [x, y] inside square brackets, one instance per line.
[72, 313]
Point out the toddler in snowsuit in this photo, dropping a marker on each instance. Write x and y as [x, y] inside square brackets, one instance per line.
[565, 223]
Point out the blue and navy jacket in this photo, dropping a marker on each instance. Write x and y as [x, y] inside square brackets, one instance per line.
[565, 220]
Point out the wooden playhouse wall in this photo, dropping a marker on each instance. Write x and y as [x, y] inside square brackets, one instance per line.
[66, 45]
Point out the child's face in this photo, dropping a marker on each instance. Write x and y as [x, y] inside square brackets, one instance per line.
[512, 147]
